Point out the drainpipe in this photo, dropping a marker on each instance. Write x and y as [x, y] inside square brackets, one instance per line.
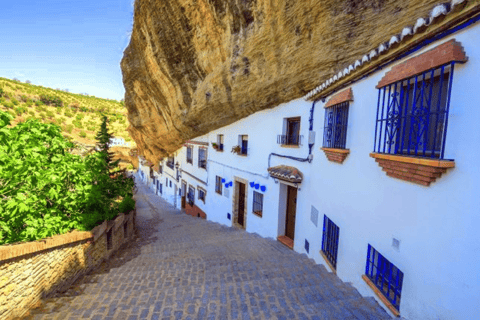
[311, 142]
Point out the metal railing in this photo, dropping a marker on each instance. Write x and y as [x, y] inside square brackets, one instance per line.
[291, 140]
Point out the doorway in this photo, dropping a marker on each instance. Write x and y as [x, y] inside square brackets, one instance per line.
[240, 203]
[291, 212]
[184, 194]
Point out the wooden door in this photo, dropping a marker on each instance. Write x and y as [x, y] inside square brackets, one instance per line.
[241, 204]
[291, 212]
[184, 191]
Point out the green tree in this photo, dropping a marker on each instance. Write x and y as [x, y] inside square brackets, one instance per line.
[103, 138]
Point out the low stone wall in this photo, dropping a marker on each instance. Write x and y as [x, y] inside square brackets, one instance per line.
[34, 270]
[195, 211]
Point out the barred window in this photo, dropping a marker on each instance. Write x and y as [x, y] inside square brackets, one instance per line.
[243, 144]
[189, 154]
[412, 114]
[335, 130]
[385, 276]
[220, 142]
[202, 158]
[257, 203]
[330, 241]
[218, 185]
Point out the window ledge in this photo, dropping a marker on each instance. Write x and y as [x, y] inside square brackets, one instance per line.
[242, 155]
[385, 301]
[334, 271]
[336, 155]
[258, 214]
[296, 146]
[415, 169]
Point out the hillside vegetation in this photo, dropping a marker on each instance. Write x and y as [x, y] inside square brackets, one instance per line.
[78, 115]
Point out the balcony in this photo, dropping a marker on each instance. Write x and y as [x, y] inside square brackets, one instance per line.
[289, 140]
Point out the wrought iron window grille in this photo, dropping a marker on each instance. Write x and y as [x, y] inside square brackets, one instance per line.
[201, 194]
[202, 158]
[295, 140]
[257, 203]
[335, 129]
[191, 196]
[412, 114]
[385, 275]
[330, 240]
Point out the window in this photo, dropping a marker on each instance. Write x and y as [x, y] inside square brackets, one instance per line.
[202, 158]
[291, 132]
[201, 194]
[335, 130]
[330, 241]
[171, 162]
[166, 182]
[218, 185]
[160, 169]
[412, 114]
[257, 203]
[243, 142]
[385, 276]
[154, 180]
[170, 183]
[220, 142]
[191, 195]
[190, 154]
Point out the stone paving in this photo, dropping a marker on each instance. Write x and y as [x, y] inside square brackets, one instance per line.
[181, 267]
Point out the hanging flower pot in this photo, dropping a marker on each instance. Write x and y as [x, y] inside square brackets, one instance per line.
[223, 180]
[236, 149]
[257, 186]
[263, 188]
[231, 183]
[252, 184]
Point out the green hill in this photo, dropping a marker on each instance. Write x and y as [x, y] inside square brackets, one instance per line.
[78, 115]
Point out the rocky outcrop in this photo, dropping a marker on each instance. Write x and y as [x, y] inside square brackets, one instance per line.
[196, 65]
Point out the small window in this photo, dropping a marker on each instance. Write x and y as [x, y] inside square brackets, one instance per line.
[335, 129]
[170, 183]
[161, 186]
[201, 194]
[202, 158]
[291, 132]
[190, 154]
[257, 203]
[171, 162]
[220, 142]
[243, 142]
[330, 241]
[218, 185]
[385, 276]
[166, 182]
[160, 169]
[412, 114]
[191, 195]
[153, 180]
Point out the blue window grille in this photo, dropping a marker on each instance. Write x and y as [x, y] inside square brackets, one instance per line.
[191, 195]
[335, 130]
[218, 185]
[244, 144]
[412, 114]
[202, 158]
[330, 240]
[385, 275]
[257, 203]
[189, 155]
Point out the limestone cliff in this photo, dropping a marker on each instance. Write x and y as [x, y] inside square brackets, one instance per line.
[196, 65]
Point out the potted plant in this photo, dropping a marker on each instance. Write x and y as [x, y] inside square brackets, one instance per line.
[215, 146]
[236, 149]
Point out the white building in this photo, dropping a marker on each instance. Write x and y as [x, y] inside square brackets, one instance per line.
[379, 187]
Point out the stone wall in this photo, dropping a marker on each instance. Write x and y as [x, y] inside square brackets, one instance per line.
[34, 270]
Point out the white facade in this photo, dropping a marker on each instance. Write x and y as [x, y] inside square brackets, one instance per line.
[435, 227]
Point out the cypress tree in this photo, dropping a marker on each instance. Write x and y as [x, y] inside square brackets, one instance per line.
[103, 138]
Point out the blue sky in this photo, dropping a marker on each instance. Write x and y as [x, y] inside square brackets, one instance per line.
[66, 44]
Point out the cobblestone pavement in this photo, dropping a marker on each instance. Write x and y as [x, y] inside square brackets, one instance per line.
[181, 267]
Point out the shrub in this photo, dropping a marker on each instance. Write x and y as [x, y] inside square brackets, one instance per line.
[83, 134]
[91, 128]
[9, 105]
[50, 114]
[51, 100]
[79, 117]
[32, 113]
[69, 128]
[14, 101]
[23, 98]
[127, 204]
[43, 115]
[39, 103]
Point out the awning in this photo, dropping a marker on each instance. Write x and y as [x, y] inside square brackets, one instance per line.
[290, 174]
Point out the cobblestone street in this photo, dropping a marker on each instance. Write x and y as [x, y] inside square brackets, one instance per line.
[181, 267]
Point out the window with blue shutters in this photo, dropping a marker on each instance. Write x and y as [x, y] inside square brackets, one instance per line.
[330, 241]
[335, 129]
[191, 195]
[385, 276]
[201, 194]
[412, 114]
[243, 144]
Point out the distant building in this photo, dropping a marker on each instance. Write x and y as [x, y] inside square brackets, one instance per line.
[118, 141]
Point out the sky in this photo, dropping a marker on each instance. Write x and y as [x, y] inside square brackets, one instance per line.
[67, 44]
